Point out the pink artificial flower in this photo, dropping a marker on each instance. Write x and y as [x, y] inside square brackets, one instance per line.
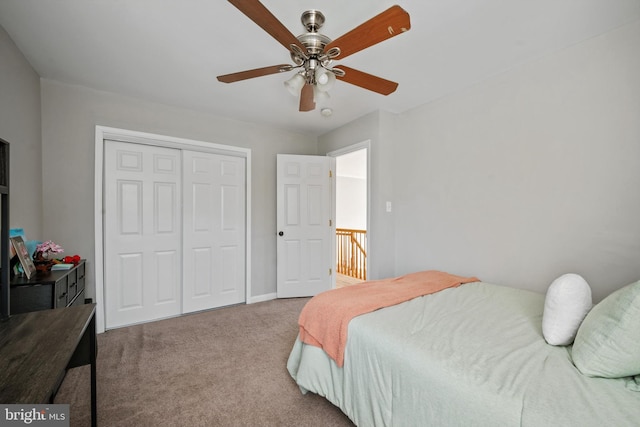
[49, 247]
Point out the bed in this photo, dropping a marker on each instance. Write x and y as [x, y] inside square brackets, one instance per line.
[468, 355]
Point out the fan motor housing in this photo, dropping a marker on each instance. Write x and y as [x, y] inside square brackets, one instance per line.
[314, 42]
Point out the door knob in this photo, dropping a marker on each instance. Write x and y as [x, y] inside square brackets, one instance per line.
[281, 233]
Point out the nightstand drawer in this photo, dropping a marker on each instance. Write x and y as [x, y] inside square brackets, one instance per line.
[61, 293]
[54, 289]
[80, 281]
[79, 299]
[72, 285]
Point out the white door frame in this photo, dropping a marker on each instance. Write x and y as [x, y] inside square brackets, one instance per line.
[346, 150]
[125, 135]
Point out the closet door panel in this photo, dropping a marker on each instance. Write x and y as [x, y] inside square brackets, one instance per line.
[142, 235]
[214, 219]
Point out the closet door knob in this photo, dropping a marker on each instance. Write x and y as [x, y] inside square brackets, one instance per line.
[281, 233]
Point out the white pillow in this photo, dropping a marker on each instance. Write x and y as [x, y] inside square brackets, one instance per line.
[567, 302]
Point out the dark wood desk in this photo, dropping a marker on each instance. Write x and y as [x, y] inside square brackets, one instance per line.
[37, 348]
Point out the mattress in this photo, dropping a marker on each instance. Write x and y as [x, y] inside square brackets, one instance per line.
[472, 355]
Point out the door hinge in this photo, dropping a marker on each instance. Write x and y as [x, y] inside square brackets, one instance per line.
[330, 173]
[330, 223]
[330, 271]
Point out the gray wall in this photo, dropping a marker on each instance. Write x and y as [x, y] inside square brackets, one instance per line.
[20, 126]
[531, 174]
[69, 116]
[523, 177]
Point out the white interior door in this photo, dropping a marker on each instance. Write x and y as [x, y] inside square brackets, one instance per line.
[214, 230]
[305, 225]
[142, 233]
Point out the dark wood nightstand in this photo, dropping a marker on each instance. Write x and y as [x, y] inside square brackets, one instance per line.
[55, 289]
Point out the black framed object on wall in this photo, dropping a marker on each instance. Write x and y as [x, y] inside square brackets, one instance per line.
[5, 270]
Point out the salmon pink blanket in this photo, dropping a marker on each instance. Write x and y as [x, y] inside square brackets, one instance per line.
[324, 319]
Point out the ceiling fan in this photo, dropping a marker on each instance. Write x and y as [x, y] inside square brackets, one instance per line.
[313, 52]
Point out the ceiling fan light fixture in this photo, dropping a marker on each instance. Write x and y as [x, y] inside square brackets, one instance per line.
[294, 84]
[320, 97]
[321, 77]
[325, 79]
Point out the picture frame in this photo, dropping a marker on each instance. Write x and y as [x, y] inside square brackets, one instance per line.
[23, 255]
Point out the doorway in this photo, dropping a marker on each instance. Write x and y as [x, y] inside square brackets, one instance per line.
[352, 213]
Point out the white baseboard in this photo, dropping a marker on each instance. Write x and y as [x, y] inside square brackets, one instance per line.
[261, 298]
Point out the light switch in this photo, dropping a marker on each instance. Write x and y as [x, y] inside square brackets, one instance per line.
[388, 206]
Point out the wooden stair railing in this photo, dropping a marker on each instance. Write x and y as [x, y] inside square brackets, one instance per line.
[351, 251]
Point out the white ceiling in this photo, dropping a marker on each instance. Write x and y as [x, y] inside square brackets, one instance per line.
[171, 51]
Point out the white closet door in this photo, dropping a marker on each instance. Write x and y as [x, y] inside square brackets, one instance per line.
[142, 233]
[214, 231]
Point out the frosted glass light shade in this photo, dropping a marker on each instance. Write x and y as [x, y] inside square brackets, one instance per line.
[294, 84]
[320, 97]
[324, 79]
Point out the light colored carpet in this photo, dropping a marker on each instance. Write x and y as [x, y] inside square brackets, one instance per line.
[223, 367]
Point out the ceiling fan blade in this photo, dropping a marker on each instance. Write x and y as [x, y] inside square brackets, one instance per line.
[257, 72]
[306, 98]
[390, 23]
[259, 14]
[367, 81]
